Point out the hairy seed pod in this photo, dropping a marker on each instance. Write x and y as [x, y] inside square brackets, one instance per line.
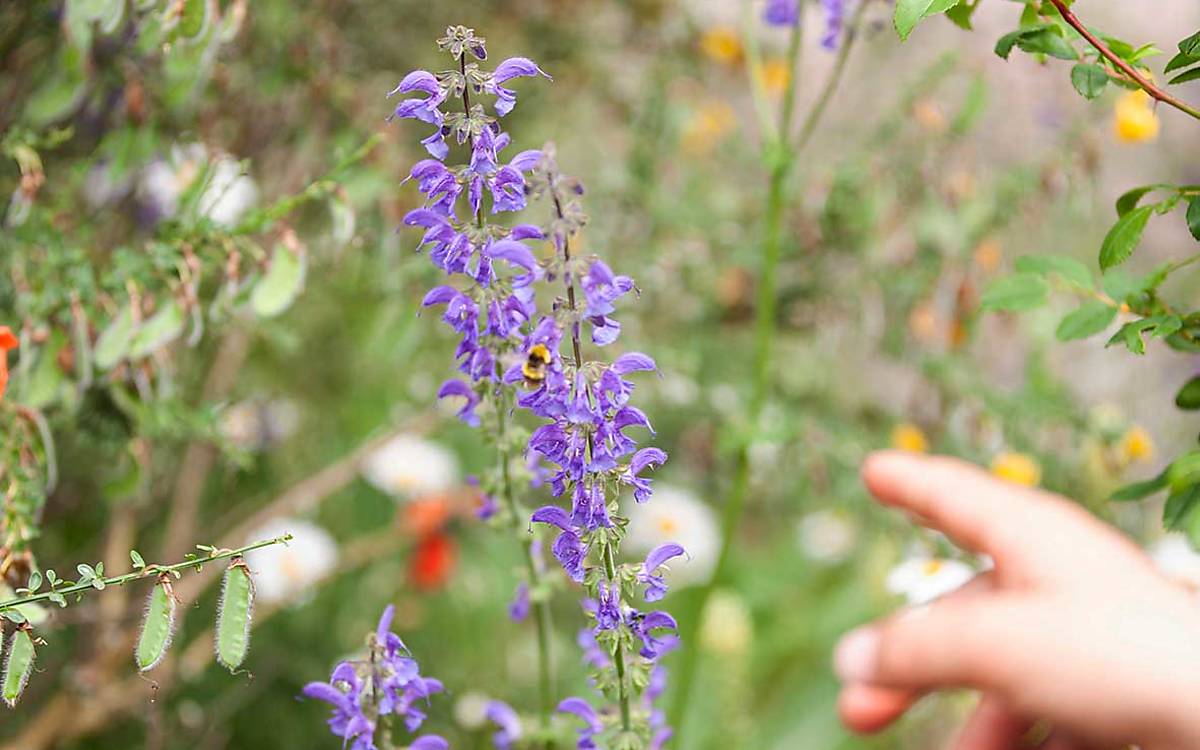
[17, 666]
[157, 627]
[233, 616]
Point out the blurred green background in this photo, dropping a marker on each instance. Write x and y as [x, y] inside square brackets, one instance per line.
[937, 166]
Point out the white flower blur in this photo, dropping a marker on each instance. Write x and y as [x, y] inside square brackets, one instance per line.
[281, 572]
[1175, 557]
[921, 580]
[470, 711]
[256, 425]
[676, 515]
[411, 467]
[727, 625]
[227, 193]
[826, 536]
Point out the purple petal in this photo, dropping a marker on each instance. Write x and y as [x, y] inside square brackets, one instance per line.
[429, 742]
[661, 554]
[514, 252]
[553, 515]
[515, 67]
[633, 362]
[583, 710]
[646, 457]
[418, 80]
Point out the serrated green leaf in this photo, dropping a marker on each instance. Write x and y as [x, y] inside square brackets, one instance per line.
[233, 616]
[1091, 318]
[1180, 61]
[157, 628]
[1042, 39]
[161, 329]
[1089, 79]
[1184, 472]
[911, 12]
[1124, 237]
[1188, 397]
[283, 282]
[1180, 508]
[1130, 335]
[18, 665]
[1069, 269]
[114, 342]
[1191, 45]
[1130, 200]
[1022, 291]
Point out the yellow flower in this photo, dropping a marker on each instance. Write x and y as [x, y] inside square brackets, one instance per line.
[909, 437]
[1017, 468]
[1136, 120]
[775, 76]
[1137, 445]
[721, 44]
[707, 126]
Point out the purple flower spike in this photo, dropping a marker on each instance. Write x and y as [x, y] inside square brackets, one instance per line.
[593, 726]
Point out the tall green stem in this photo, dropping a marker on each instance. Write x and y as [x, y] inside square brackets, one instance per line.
[781, 153]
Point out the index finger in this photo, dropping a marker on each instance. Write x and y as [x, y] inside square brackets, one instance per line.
[1027, 532]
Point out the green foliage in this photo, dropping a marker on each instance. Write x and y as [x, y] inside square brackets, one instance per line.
[1089, 79]
[18, 665]
[1124, 237]
[1022, 291]
[1091, 318]
[911, 12]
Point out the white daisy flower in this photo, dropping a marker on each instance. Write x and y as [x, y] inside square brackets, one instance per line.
[1175, 557]
[282, 571]
[921, 580]
[826, 536]
[411, 467]
[676, 515]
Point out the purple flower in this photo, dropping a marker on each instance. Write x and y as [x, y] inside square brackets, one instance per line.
[518, 609]
[425, 110]
[645, 627]
[514, 67]
[782, 12]
[429, 742]
[593, 655]
[506, 719]
[349, 721]
[592, 724]
[835, 21]
[456, 387]
[656, 587]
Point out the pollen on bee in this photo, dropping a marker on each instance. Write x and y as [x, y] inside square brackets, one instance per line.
[534, 368]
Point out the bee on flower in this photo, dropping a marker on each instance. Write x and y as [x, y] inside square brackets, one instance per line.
[412, 468]
[283, 572]
[921, 580]
[1018, 468]
[1134, 119]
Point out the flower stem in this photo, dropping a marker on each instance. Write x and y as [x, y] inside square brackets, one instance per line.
[150, 571]
[782, 152]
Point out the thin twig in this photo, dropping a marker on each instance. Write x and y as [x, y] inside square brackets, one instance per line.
[1131, 72]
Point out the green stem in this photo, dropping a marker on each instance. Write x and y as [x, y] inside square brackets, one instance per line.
[610, 570]
[150, 571]
[781, 156]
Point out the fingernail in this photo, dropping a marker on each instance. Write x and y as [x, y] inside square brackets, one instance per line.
[856, 654]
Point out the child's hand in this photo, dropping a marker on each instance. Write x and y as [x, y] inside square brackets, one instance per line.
[1074, 626]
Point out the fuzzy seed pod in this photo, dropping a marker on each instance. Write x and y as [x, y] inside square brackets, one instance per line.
[157, 627]
[17, 666]
[233, 616]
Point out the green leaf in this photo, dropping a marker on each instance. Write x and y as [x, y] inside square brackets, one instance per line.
[1072, 271]
[961, 14]
[1193, 216]
[1022, 291]
[233, 616]
[193, 18]
[1186, 77]
[911, 12]
[114, 342]
[1180, 508]
[161, 329]
[1089, 79]
[17, 666]
[157, 627]
[1124, 237]
[1188, 397]
[1091, 318]
[136, 558]
[1140, 490]
[1130, 335]
[1191, 45]
[1042, 39]
[276, 291]
[1184, 473]
[1180, 61]
[1132, 198]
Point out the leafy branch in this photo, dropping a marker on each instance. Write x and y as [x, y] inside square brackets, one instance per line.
[93, 579]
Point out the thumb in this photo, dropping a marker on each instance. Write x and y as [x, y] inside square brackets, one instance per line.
[978, 642]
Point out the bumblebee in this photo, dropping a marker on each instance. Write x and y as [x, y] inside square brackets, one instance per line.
[535, 365]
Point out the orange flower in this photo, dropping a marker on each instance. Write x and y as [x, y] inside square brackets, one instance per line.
[426, 517]
[7, 341]
[432, 562]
